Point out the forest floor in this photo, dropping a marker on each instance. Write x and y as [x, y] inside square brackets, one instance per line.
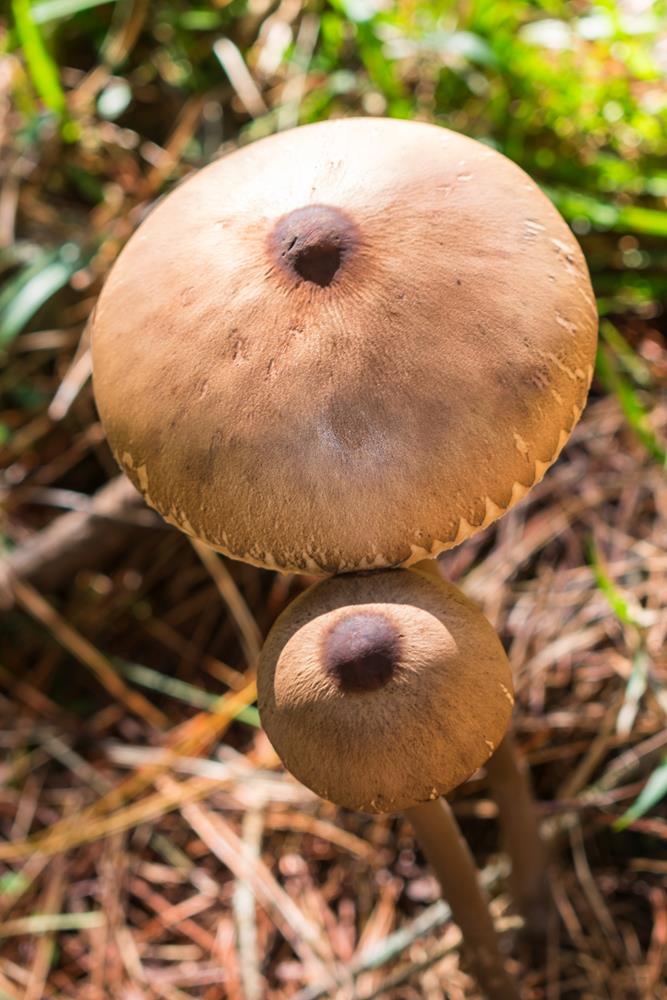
[152, 845]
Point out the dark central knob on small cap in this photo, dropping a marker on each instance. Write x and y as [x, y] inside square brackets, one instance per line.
[312, 242]
[361, 652]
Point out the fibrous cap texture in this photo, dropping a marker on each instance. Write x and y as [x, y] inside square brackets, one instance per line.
[383, 690]
[347, 346]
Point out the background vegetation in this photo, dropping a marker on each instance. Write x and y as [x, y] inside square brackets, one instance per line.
[152, 846]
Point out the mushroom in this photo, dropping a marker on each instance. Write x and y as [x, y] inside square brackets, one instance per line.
[347, 347]
[385, 691]
[511, 788]
[382, 690]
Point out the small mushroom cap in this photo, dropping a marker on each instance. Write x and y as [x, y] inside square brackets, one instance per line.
[380, 691]
[347, 346]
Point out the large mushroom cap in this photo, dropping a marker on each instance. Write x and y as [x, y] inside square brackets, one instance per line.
[380, 691]
[346, 346]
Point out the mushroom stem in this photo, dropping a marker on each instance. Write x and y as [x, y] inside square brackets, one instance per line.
[510, 785]
[509, 781]
[449, 856]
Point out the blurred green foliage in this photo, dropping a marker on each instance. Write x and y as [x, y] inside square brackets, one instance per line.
[574, 92]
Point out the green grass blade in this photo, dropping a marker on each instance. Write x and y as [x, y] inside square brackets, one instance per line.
[55, 10]
[28, 290]
[635, 412]
[603, 215]
[635, 366]
[638, 680]
[42, 67]
[635, 690]
[653, 792]
[153, 680]
[606, 586]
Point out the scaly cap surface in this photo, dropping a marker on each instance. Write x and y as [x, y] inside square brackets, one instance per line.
[347, 346]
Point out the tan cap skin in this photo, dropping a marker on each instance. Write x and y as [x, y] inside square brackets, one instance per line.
[380, 691]
[347, 346]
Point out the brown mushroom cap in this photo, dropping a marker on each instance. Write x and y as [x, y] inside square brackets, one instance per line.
[347, 346]
[383, 690]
